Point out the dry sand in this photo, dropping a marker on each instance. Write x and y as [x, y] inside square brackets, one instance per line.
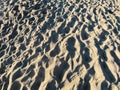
[59, 45]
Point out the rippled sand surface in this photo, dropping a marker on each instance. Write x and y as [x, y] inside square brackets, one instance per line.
[59, 44]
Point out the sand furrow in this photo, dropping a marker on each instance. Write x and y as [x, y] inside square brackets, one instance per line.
[60, 45]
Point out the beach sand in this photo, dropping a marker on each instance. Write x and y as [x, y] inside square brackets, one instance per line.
[59, 44]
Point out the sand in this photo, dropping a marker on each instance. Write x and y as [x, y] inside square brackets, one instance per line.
[59, 44]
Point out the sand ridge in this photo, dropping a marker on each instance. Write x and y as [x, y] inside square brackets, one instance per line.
[60, 45]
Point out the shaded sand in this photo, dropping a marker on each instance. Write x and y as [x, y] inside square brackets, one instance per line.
[59, 45]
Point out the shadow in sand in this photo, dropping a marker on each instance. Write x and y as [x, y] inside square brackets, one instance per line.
[4, 84]
[102, 61]
[85, 56]
[104, 86]
[61, 28]
[16, 85]
[70, 47]
[59, 71]
[14, 33]
[16, 75]
[39, 79]
[84, 34]
[102, 36]
[86, 84]
[54, 37]
[116, 59]
[51, 85]
[55, 51]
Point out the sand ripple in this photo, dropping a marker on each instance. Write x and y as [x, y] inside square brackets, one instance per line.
[60, 45]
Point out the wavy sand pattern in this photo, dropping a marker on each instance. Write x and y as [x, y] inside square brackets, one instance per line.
[59, 45]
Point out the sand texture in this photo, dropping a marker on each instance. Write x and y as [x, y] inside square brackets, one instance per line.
[59, 44]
